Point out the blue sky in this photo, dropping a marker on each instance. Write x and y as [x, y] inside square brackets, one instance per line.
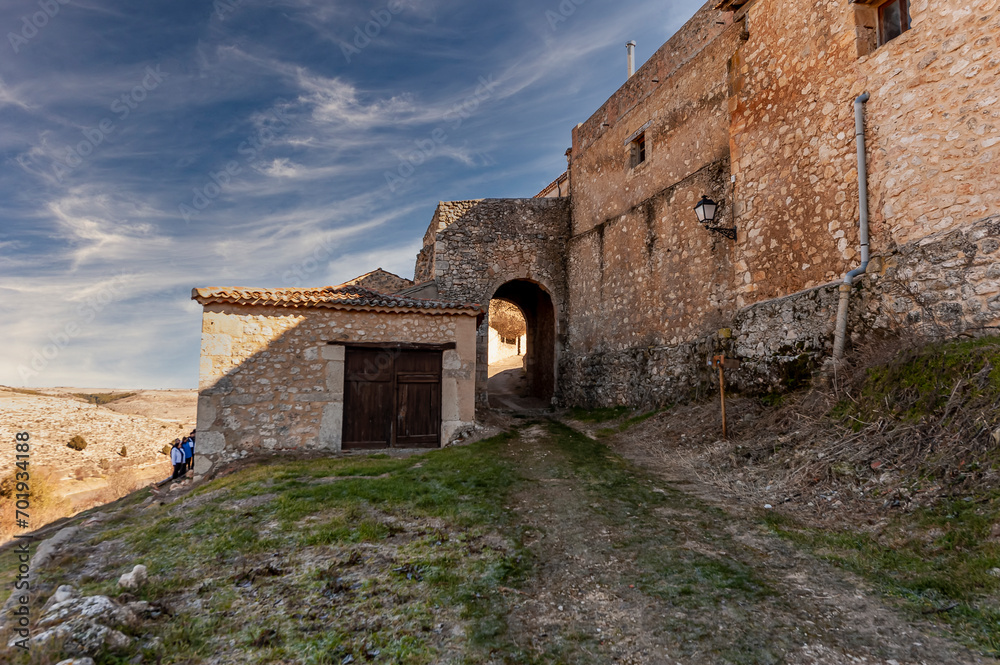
[152, 147]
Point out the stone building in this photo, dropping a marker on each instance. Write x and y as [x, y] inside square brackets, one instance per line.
[331, 369]
[754, 104]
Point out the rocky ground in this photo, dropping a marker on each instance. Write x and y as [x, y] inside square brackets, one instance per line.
[594, 559]
[143, 423]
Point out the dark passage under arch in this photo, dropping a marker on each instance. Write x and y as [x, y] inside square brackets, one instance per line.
[540, 318]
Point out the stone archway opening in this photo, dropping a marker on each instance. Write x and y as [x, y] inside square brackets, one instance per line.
[508, 349]
[522, 368]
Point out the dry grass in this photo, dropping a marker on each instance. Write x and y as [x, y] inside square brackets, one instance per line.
[45, 502]
[902, 425]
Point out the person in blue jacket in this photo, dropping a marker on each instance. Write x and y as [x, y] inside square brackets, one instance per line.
[192, 442]
[177, 459]
[188, 450]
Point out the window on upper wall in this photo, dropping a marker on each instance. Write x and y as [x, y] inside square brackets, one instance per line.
[637, 150]
[893, 20]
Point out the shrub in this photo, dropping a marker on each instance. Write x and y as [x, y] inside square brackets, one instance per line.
[123, 452]
[104, 464]
[77, 443]
[100, 399]
[165, 450]
[47, 504]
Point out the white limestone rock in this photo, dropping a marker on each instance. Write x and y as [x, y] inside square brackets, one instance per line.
[134, 580]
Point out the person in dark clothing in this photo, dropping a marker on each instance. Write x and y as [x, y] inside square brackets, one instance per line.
[191, 441]
[188, 448]
[177, 459]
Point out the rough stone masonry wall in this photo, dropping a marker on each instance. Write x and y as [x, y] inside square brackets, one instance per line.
[933, 124]
[496, 241]
[270, 381]
[935, 287]
[934, 121]
[678, 98]
[646, 282]
[792, 84]
[932, 128]
[446, 213]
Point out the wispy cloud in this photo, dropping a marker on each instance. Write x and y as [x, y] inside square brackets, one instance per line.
[309, 206]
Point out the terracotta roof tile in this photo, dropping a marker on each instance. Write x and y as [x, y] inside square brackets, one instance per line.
[345, 296]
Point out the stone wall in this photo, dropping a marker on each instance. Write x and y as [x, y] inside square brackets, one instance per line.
[938, 286]
[651, 276]
[272, 381]
[942, 284]
[755, 109]
[934, 121]
[498, 240]
[932, 126]
[446, 213]
[678, 100]
[767, 102]
[646, 282]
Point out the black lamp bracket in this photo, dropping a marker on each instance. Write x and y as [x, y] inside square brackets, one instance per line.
[723, 231]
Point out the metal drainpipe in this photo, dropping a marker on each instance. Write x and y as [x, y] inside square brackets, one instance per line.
[840, 333]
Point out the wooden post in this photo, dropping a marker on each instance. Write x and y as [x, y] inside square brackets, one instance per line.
[722, 396]
[720, 361]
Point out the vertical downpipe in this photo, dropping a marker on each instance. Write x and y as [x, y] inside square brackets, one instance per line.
[630, 47]
[840, 332]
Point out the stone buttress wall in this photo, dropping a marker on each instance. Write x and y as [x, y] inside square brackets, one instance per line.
[943, 284]
[271, 381]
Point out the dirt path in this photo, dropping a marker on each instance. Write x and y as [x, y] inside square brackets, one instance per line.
[633, 568]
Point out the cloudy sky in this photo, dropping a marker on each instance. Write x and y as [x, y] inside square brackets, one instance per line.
[152, 147]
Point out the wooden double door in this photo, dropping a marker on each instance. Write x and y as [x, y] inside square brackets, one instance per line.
[392, 398]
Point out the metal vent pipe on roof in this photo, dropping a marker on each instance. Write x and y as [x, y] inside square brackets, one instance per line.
[631, 58]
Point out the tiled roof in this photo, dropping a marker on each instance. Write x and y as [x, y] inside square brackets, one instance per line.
[380, 280]
[345, 296]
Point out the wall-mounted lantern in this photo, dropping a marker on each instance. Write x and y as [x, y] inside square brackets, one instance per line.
[706, 209]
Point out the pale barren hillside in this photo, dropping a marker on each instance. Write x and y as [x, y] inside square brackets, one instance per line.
[143, 423]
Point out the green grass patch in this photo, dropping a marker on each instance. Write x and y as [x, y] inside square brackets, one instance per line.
[701, 579]
[600, 415]
[919, 384]
[938, 561]
[281, 557]
[627, 423]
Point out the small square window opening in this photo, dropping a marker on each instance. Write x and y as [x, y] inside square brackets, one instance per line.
[637, 148]
[893, 20]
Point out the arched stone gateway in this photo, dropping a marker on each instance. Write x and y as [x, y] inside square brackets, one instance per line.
[512, 249]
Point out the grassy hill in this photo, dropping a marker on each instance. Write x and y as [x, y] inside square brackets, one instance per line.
[647, 539]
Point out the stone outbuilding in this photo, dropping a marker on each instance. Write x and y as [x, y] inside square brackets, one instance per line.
[331, 369]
